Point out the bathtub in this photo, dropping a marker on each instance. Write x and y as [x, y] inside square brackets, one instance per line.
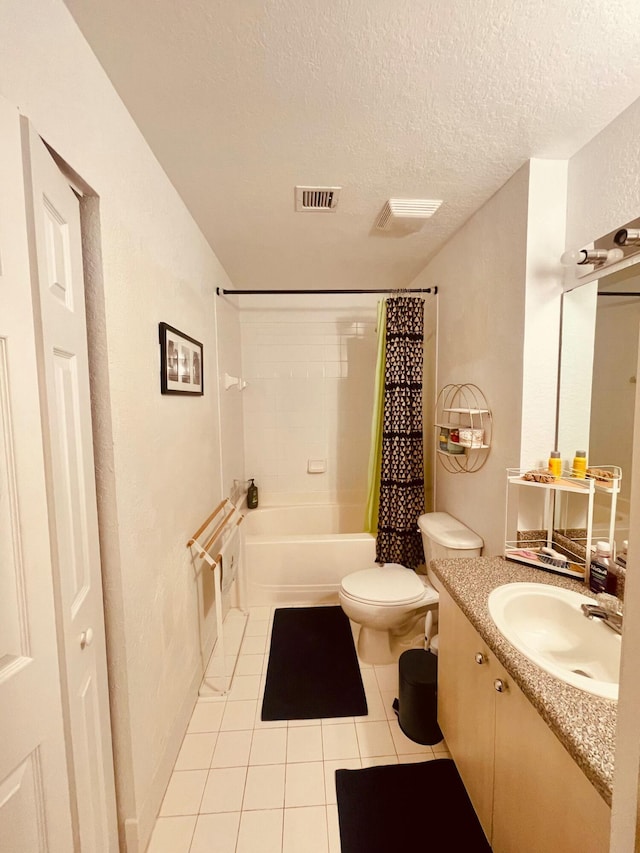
[299, 554]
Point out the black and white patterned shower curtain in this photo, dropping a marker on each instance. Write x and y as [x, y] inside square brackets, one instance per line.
[402, 469]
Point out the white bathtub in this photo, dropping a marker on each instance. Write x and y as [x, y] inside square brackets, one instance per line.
[299, 554]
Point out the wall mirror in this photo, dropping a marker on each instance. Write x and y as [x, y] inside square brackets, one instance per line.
[597, 386]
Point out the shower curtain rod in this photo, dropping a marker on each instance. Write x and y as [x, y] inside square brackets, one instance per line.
[222, 292]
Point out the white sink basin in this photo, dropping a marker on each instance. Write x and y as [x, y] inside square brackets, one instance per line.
[546, 624]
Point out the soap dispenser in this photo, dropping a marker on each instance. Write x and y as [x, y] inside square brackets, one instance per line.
[252, 495]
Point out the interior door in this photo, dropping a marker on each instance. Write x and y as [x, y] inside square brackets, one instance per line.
[35, 813]
[53, 223]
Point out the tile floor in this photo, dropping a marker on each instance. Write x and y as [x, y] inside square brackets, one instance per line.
[241, 785]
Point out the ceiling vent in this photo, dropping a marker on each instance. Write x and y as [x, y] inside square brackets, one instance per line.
[407, 212]
[317, 198]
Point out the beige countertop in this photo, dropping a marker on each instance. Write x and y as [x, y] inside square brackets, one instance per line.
[584, 723]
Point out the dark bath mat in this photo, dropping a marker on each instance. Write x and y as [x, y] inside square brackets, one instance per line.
[313, 669]
[406, 807]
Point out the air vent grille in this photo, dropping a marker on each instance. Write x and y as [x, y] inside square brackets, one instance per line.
[317, 198]
[397, 209]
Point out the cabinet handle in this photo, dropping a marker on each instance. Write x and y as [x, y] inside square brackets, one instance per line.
[500, 685]
[480, 658]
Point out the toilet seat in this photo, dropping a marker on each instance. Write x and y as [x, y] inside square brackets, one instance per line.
[388, 585]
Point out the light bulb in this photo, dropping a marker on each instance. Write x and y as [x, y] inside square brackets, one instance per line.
[597, 257]
[573, 256]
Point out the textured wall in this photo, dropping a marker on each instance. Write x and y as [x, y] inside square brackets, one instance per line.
[480, 275]
[164, 473]
[498, 301]
[604, 193]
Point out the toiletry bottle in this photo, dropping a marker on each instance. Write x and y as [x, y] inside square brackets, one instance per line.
[600, 565]
[580, 464]
[252, 495]
[555, 464]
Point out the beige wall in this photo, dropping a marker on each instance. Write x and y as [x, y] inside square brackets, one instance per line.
[164, 474]
[604, 193]
[498, 321]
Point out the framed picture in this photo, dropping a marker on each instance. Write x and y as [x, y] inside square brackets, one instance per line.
[180, 362]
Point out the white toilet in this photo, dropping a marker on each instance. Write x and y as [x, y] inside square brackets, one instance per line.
[444, 537]
[390, 602]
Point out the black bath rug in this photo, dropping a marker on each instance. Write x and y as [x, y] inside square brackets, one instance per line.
[394, 806]
[313, 669]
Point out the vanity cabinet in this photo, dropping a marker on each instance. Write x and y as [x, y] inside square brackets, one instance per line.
[529, 794]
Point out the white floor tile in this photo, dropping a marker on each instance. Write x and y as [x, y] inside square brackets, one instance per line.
[184, 793]
[304, 743]
[224, 790]
[380, 760]
[206, 717]
[387, 676]
[244, 687]
[269, 746]
[333, 829]
[403, 744]
[295, 724]
[387, 700]
[304, 784]
[196, 751]
[336, 721]
[440, 747]
[374, 739]
[250, 665]
[254, 646]
[264, 788]
[259, 614]
[216, 832]
[417, 757]
[257, 628]
[330, 768]
[305, 830]
[232, 749]
[340, 741]
[239, 715]
[260, 831]
[172, 835]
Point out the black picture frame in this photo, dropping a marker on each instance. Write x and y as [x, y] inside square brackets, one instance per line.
[181, 362]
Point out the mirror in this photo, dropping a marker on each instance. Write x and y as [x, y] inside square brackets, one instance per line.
[597, 384]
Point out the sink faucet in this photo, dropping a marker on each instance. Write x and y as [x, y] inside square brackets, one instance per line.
[608, 608]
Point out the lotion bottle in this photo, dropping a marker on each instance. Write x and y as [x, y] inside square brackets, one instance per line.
[252, 495]
[580, 464]
[555, 464]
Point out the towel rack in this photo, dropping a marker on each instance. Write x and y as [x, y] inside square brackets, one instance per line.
[210, 543]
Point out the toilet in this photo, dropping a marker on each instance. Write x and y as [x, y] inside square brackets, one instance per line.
[390, 602]
[444, 537]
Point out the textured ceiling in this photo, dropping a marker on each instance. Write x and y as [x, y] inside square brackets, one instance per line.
[242, 99]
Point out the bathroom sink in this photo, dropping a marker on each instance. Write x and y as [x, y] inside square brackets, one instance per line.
[546, 624]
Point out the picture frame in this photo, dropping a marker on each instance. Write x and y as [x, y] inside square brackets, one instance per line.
[181, 362]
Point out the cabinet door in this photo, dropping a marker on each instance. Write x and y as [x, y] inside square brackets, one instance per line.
[466, 702]
[542, 801]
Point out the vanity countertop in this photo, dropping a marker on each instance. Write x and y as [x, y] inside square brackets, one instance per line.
[584, 723]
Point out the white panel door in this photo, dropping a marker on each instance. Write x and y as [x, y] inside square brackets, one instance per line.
[57, 272]
[35, 813]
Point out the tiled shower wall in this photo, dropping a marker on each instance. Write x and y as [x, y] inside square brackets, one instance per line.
[309, 364]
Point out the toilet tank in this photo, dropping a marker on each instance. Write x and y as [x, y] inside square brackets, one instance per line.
[444, 536]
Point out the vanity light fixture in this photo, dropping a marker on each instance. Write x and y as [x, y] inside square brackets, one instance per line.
[597, 257]
[627, 237]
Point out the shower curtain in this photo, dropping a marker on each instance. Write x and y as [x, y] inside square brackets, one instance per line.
[401, 498]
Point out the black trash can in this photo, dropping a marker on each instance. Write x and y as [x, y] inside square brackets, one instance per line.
[418, 696]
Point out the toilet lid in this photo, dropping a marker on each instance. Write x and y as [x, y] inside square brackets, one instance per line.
[389, 584]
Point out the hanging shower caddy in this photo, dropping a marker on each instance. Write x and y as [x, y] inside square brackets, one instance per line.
[463, 428]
